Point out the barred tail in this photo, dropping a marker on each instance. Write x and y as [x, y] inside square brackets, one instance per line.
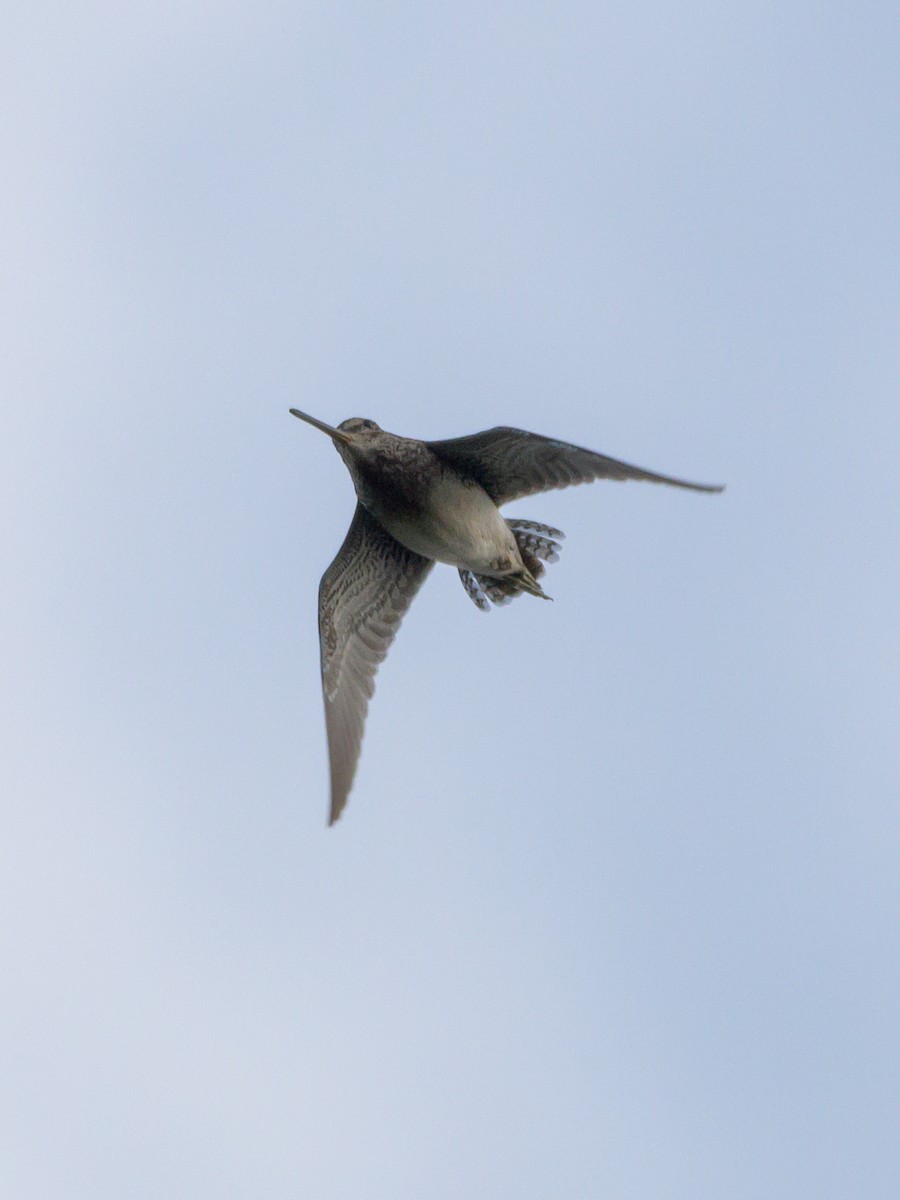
[537, 545]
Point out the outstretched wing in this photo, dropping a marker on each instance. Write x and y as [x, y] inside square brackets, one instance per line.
[509, 463]
[363, 597]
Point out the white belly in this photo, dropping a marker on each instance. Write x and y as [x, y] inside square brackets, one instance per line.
[463, 527]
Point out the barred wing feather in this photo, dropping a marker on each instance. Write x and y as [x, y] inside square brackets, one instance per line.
[509, 463]
[363, 597]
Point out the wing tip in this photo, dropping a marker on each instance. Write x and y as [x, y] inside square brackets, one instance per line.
[687, 484]
[337, 808]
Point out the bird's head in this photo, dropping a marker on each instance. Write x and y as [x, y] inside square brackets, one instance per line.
[352, 438]
[359, 425]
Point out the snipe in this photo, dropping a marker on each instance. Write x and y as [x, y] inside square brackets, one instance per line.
[424, 502]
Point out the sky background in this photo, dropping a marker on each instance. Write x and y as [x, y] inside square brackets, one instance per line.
[613, 909]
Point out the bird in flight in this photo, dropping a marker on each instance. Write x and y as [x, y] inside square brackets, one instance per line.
[424, 502]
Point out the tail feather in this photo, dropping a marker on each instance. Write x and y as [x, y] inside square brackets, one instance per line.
[540, 540]
[537, 545]
[473, 585]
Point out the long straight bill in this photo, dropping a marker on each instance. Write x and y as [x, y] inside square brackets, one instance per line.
[337, 434]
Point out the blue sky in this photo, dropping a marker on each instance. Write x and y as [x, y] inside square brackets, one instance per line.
[613, 909]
